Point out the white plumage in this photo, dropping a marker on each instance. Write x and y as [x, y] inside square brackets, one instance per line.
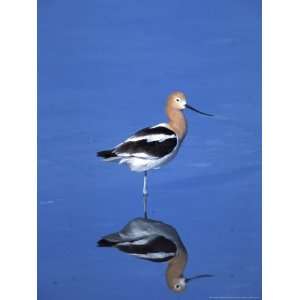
[147, 149]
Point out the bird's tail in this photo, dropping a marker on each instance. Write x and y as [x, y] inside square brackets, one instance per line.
[107, 154]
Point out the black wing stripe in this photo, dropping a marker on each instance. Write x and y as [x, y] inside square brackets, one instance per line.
[154, 130]
[154, 148]
[156, 244]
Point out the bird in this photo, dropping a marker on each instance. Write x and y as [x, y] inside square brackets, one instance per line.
[152, 147]
[155, 241]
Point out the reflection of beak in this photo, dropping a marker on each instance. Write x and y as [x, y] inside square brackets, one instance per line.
[198, 276]
[198, 111]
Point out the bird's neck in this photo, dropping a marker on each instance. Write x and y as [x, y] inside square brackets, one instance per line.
[177, 122]
[176, 267]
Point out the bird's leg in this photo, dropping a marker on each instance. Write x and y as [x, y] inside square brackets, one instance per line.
[145, 194]
[145, 189]
[145, 206]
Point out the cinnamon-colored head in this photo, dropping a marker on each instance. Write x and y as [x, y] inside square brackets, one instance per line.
[177, 284]
[177, 100]
[175, 269]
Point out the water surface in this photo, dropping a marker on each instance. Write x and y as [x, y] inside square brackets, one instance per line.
[105, 69]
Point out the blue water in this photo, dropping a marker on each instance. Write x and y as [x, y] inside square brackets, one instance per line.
[105, 69]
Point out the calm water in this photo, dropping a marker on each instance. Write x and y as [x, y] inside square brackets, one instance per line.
[105, 69]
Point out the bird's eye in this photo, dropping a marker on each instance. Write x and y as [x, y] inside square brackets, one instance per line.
[177, 286]
[177, 99]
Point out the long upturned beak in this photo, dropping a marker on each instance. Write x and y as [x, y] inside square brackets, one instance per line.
[198, 276]
[198, 111]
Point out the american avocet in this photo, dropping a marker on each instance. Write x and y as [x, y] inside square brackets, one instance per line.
[154, 146]
[155, 241]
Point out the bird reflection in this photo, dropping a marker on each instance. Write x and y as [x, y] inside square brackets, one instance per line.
[155, 241]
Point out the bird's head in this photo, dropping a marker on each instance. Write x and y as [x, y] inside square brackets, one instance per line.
[177, 100]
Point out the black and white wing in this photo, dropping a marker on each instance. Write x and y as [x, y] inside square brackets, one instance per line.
[150, 247]
[151, 142]
[144, 238]
[153, 247]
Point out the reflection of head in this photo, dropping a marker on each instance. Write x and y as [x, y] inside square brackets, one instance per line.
[174, 273]
[178, 284]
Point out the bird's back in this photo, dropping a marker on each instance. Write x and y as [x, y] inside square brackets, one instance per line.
[145, 238]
